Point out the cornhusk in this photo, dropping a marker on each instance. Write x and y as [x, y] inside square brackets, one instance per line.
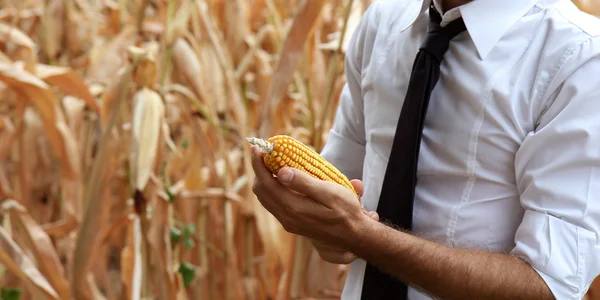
[148, 115]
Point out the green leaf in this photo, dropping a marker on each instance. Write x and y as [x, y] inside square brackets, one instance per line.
[175, 235]
[170, 194]
[189, 229]
[189, 243]
[185, 144]
[188, 232]
[188, 272]
[10, 294]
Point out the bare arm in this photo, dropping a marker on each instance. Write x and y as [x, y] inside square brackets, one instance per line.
[446, 272]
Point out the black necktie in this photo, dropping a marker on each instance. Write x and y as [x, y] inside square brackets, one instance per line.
[396, 199]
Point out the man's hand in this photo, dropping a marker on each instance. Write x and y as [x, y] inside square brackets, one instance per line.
[335, 255]
[322, 211]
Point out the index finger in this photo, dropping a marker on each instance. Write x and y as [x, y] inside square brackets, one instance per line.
[264, 178]
[258, 164]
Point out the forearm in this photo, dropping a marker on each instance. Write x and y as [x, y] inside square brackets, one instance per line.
[446, 272]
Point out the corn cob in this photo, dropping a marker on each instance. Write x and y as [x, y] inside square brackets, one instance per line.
[282, 150]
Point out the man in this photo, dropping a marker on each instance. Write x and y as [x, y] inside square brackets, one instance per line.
[507, 203]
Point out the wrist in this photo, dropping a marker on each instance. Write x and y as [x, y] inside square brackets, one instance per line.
[360, 231]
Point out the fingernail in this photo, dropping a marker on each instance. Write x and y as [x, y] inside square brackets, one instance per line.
[373, 215]
[287, 175]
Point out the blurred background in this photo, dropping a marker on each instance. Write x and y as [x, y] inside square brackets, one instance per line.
[124, 170]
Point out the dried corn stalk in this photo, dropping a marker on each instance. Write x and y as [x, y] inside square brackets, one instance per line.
[131, 259]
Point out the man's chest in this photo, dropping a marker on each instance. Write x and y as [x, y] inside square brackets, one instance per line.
[480, 110]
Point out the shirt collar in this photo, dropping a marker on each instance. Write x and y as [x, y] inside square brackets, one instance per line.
[486, 20]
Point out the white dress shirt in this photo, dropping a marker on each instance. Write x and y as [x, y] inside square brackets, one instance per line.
[510, 155]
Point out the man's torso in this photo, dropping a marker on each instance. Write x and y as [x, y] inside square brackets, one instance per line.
[479, 114]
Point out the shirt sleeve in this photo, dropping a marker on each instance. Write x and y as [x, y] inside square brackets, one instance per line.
[558, 177]
[345, 146]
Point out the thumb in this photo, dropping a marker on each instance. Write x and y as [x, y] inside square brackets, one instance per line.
[358, 186]
[300, 181]
[374, 215]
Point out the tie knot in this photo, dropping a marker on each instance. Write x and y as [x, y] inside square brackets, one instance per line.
[438, 38]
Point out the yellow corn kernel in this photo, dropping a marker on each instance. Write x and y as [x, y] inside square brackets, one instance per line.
[282, 150]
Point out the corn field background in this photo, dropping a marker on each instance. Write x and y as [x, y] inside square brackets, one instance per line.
[124, 169]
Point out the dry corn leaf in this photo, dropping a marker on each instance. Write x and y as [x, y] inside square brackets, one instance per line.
[290, 56]
[193, 178]
[78, 29]
[325, 274]
[153, 27]
[6, 190]
[41, 245]
[255, 42]
[52, 28]
[111, 94]
[95, 291]
[22, 14]
[107, 58]
[68, 81]
[256, 14]
[318, 71]
[236, 103]
[71, 150]
[17, 262]
[10, 34]
[277, 243]
[112, 18]
[213, 76]
[74, 113]
[32, 131]
[62, 227]
[72, 188]
[189, 107]
[38, 92]
[148, 116]
[187, 62]
[4, 58]
[236, 15]
[179, 25]
[263, 82]
[212, 193]
[353, 20]
[193, 181]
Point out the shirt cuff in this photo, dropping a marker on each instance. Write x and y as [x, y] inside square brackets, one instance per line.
[346, 155]
[564, 255]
